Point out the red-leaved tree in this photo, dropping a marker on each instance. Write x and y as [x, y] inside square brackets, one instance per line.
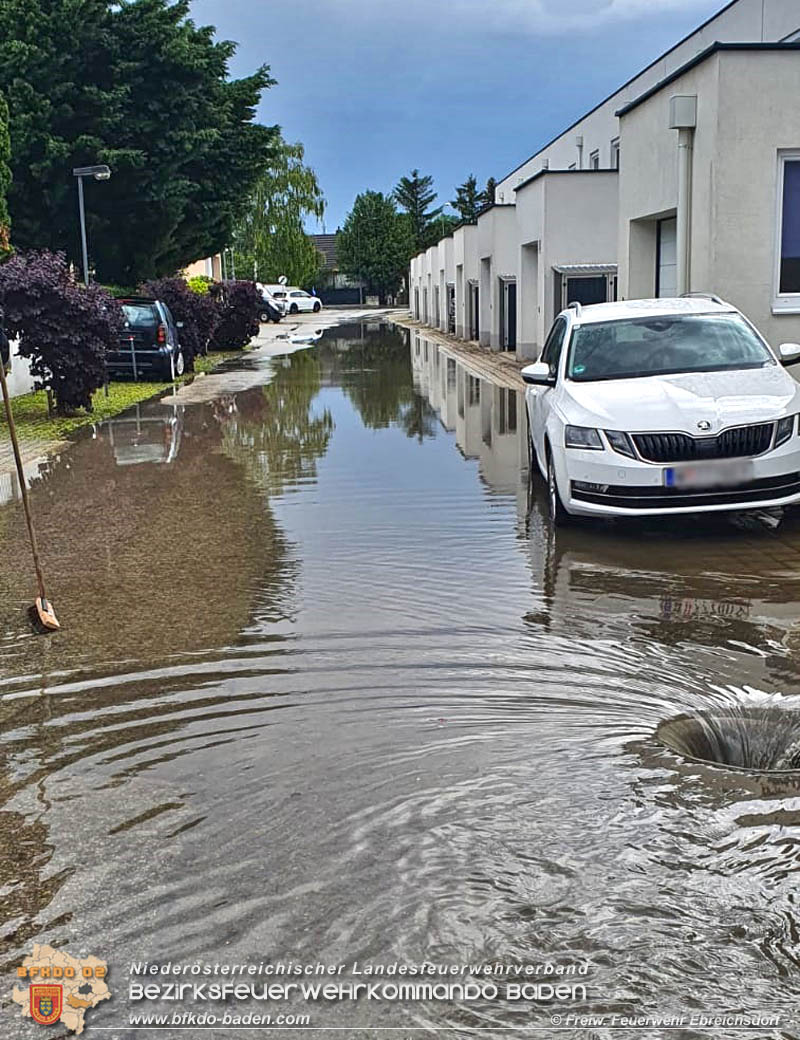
[238, 304]
[63, 327]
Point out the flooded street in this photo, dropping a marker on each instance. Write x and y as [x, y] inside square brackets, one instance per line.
[330, 689]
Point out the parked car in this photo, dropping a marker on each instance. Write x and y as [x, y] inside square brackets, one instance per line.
[652, 407]
[149, 345]
[270, 309]
[300, 301]
[277, 292]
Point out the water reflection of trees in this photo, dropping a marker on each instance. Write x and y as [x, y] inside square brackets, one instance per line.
[141, 560]
[272, 433]
[371, 364]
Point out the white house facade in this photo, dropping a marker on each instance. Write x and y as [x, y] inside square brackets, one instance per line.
[687, 179]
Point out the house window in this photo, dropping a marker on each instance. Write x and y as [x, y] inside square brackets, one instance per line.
[615, 154]
[787, 296]
[594, 160]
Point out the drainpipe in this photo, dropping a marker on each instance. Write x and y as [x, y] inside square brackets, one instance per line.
[579, 145]
[683, 118]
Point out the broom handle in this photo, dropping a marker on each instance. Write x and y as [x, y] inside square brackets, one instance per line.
[23, 486]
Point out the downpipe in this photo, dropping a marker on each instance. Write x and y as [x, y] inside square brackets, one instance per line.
[684, 214]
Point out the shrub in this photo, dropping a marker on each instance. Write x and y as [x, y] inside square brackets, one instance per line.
[238, 304]
[197, 313]
[200, 283]
[64, 328]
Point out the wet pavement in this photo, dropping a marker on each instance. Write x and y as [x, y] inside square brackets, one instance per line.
[330, 689]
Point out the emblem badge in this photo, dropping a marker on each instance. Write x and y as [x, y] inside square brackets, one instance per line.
[704, 424]
[46, 1003]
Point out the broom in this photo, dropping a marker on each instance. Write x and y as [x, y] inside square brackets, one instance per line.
[44, 609]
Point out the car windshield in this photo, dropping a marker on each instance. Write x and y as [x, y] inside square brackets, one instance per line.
[665, 345]
[140, 315]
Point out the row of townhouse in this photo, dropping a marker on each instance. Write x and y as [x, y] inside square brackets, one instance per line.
[686, 179]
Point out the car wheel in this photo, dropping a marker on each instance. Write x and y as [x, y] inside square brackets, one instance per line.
[558, 514]
[180, 364]
[293, 309]
[263, 316]
[317, 308]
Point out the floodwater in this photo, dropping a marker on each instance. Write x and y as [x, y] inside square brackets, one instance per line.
[330, 689]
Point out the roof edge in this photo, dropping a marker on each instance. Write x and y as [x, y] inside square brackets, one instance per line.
[627, 83]
[714, 48]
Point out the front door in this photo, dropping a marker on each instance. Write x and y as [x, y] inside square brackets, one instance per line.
[474, 312]
[509, 315]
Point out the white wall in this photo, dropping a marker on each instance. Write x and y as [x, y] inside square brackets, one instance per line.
[571, 218]
[744, 117]
[20, 380]
[498, 243]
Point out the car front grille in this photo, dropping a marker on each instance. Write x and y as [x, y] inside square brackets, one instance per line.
[741, 442]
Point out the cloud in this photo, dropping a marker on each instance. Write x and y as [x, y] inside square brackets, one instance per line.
[533, 17]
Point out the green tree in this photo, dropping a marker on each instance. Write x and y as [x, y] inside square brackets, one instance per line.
[270, 239]
[415, 196]
[444, 225]
[376, 243]
[137, 85]
[468, 201]
[487, 195]
[5, 177]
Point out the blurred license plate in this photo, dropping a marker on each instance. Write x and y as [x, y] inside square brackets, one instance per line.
[723, 473]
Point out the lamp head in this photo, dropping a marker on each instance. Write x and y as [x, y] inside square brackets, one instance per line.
[100, 173]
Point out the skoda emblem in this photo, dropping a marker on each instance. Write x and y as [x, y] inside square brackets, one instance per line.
[704, 424]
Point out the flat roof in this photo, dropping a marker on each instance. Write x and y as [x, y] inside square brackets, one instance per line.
[557, 173]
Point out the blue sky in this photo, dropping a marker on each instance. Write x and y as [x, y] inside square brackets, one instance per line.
[374, 88]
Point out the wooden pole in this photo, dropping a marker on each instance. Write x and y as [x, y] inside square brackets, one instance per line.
[22, 485]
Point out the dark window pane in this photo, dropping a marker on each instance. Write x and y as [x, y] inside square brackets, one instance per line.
[790, 239]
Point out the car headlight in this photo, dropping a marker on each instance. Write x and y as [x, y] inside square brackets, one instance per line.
[784, 430]
[620, 442]
[582, 437]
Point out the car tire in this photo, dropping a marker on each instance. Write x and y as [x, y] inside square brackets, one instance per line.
[293, 309]
[180, 364]
[558, 514]
[263, 317]
[317, 308]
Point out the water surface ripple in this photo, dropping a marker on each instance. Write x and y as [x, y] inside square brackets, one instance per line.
[331, 689]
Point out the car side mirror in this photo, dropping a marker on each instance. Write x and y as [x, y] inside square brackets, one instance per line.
[789, 353]
[538, 374]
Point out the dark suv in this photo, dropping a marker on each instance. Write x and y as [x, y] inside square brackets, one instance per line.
[149, 345]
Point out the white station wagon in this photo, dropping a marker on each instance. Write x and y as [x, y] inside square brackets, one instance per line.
[652, 407]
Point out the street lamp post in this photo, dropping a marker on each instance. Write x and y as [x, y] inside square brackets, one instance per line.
[100, 173]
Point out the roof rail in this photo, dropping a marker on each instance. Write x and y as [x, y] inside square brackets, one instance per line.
[703, 296]
[575, 306]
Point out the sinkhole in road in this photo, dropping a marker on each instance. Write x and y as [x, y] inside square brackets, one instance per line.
[761, 739]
